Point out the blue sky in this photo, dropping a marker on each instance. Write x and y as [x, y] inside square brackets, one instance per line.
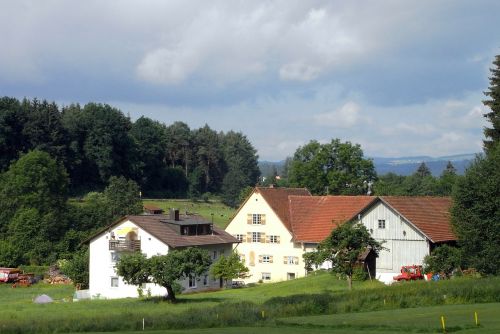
[400, 78]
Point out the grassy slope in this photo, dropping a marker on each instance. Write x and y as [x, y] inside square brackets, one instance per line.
[221, 213]
[228, 307]
[459, 318]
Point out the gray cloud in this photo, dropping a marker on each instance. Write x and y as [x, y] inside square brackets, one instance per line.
[398, 77]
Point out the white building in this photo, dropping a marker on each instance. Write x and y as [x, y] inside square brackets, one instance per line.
[276, 226]
[410, 227]
[151, 235]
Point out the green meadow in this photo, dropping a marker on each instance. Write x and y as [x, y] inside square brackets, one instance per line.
[316, 304]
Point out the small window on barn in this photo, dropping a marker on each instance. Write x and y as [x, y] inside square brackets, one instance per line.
[381, 223]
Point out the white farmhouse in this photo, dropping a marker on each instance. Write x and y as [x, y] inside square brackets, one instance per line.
[276, 226]
[410, 227]
[154, 234]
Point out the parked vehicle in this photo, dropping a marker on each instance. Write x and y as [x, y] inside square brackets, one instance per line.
[410, 273]
[9, 274]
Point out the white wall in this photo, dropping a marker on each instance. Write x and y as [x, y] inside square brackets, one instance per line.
[406, 245]
[273, 226]
[101, 267]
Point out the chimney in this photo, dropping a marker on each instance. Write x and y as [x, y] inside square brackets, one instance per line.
[174, 214]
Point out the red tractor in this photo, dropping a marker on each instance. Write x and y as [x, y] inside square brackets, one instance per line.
[410, 273]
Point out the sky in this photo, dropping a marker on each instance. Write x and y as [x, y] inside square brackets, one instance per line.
[400, 78]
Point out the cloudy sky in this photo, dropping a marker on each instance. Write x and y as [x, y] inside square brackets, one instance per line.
[398, 77]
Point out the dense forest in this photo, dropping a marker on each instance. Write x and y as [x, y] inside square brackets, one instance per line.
[67, 172]
[97, 141]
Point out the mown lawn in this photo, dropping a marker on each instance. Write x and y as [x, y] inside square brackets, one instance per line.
[222, 214]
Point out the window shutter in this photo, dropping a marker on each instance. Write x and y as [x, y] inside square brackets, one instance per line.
[263, 237]
[263, 219]
[270, 259]
[249, 219]
[296, 260]
[278, 239]
[268, 238]
[252, 258]
[260, 258]
[249, 236]
[285, 260]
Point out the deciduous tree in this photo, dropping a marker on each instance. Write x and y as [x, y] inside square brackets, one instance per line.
[333, 168]
[343, 247]
[228, 268]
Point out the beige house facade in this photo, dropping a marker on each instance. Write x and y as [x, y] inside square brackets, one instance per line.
[276, 226]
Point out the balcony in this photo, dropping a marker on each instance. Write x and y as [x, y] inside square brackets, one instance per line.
[125, 245]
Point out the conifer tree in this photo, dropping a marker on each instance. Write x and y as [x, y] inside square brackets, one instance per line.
[493, 134]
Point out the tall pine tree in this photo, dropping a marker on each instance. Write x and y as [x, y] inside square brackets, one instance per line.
[493, 134]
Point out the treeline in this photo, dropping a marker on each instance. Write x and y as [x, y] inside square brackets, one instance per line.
[97, 141]
[340, 168]
[420, 183]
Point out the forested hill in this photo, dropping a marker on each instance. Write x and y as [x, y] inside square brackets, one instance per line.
[97, 141]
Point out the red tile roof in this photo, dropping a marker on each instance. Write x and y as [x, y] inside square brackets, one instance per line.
[431, 215]
[277, 198]
[313, 218]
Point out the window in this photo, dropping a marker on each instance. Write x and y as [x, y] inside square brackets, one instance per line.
[255, 236]
[274, 239]
[266, 276]
[266, 258]
[214, 255]
[239, 237]
[291, 260]
[205, 280]
[381, 223]
[256, 219]
[192, 282]
[115, 257]
[114, 282]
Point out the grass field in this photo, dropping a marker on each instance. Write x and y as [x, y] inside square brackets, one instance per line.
[282, 303]
[458, 318]
[221, 213]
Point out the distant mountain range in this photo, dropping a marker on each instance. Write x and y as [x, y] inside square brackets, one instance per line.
[408, 165]
[400, 166]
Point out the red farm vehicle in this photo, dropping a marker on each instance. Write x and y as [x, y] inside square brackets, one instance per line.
[410, 273]
[9, 274]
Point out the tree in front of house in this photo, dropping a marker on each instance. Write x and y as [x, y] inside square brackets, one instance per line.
[443, 259]
[134, 268]
[343, 248]
[492, 133]
[333, 168]
[475, 214]
[77, 268]
[164, 270]
[228, 268]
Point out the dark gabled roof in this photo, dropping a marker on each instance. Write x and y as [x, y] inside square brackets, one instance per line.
[277, 198]
[159, 227]
[314, 217]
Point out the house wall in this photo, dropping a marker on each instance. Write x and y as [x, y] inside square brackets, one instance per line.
[405, 244]
[253, 252]
[102, 265]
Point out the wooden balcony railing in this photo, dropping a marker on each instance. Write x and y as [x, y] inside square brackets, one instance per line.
[125, 245]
